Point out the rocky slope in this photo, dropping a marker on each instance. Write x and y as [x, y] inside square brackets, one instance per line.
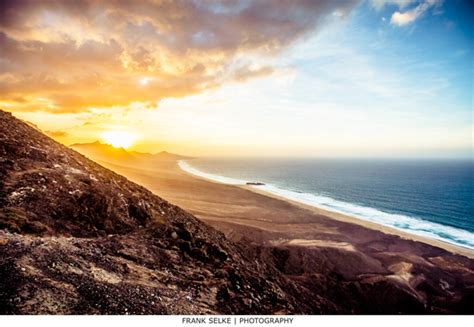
[77, 238]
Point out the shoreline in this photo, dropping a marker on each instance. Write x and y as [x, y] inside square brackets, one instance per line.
[368, 224]
[453, 248]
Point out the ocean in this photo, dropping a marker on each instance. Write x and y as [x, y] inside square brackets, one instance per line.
[431, 198]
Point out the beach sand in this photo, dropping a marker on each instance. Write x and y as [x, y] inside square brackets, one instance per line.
[338, 257]
[249, 214]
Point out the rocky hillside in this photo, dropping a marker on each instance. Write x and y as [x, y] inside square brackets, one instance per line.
[76, 238]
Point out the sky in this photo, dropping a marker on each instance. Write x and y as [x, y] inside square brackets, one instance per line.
[327, 78]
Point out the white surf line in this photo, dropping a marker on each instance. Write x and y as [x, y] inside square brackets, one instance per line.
[411, 225]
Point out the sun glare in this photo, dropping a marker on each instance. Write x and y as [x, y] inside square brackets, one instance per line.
[119, 139]
[144, 81]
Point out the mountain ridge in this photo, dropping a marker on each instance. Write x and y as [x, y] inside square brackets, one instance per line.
[104, 152]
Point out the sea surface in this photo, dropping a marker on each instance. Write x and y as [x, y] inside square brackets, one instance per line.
[431, 198]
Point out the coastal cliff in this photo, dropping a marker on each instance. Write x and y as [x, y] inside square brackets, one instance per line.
[77, 238]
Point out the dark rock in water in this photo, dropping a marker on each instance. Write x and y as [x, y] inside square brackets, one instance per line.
[255, 183]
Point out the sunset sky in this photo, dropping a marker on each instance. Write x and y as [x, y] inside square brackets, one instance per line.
[253, 78]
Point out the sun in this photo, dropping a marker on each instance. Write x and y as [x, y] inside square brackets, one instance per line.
[144, 81]
[119, 139]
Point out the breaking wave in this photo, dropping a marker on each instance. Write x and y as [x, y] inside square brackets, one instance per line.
[403, 223]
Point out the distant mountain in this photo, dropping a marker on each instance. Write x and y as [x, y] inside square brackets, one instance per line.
[76, 238]
[104, 152]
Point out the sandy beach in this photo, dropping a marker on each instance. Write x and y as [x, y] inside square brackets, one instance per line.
[347, 260]
[247, 213]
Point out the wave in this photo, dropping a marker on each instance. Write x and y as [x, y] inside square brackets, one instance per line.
[215, 178]
[403, 223]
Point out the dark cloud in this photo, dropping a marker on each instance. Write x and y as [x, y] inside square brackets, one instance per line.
[79, 54]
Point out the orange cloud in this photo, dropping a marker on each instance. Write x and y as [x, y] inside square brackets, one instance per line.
[69, 56]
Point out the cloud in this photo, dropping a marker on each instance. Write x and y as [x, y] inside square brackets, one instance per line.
[409, 16]
[380, 4]
[70, 56]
